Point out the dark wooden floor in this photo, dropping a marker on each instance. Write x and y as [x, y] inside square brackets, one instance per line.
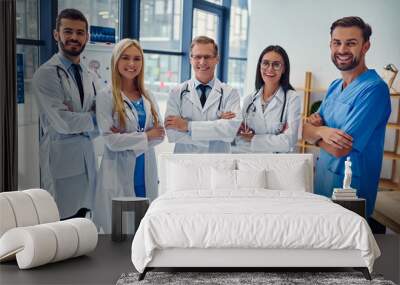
[102, 266]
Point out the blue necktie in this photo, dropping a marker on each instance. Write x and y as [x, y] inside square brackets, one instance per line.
[78, 80]
[203, 96]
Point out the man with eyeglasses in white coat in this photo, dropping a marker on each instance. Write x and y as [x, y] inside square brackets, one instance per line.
[203, 113]
[65, 91]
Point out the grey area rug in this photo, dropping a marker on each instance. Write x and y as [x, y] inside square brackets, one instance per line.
[229, 278]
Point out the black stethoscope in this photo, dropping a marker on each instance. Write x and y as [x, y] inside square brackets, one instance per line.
[252, 107]
[58, 68]
[186, 90]
[138, 128]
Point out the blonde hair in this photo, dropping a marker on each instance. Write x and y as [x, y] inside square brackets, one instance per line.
[119, 107]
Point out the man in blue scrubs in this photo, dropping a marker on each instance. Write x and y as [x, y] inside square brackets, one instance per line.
[352, 118]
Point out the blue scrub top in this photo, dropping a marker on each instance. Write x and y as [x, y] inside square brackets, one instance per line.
[362, 110]
[139, 179]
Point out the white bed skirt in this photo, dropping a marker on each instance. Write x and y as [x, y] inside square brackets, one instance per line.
[193, 257]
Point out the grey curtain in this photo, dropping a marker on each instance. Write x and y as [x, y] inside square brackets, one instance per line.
[8, 102]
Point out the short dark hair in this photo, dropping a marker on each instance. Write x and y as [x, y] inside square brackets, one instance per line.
[71, 14]
[284, 81]
[204, 40]
[353, 21]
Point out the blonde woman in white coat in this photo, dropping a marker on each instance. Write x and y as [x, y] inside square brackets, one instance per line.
[271, 115]
[129, 121]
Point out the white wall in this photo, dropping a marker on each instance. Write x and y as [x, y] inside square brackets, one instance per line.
[302, 28]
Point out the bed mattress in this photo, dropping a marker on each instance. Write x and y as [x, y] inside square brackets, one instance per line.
[251, 219]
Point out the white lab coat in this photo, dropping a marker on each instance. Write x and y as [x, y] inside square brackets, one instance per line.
[268, 138]
[116, 175]
[209, 133]
[67, 159]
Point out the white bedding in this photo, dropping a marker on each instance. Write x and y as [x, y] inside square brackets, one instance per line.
[252, 218]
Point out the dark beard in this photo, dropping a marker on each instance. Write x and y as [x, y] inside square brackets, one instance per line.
[347, 67]
[71, 53]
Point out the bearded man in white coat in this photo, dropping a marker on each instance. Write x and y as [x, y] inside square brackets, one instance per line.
[65, 91]
[203, 113]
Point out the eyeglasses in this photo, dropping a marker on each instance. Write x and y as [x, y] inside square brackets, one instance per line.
[276, 65]
[199, 57]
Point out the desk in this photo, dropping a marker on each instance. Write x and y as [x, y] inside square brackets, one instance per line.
[119, 205]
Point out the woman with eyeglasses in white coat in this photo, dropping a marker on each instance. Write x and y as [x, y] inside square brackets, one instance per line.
[129, 121]
[271, 114]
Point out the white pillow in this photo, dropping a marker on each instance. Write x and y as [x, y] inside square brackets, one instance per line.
[223, 179]
[251, 178]
[226, 179]
[281, 174]
[293, 178]
[196, 174]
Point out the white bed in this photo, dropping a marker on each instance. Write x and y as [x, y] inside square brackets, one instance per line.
[220, 211]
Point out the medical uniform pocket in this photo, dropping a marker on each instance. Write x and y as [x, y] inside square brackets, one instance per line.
[67, 158]
[274, 127]
[337, 114]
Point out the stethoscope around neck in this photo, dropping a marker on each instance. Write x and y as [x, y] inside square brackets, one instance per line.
[129, 104]
[252, 107]
[58, 68]
[186, 90]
